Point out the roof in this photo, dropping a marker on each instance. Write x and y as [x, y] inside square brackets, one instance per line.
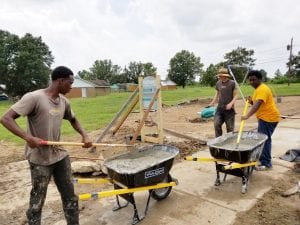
[80, 83]
[101, 83]
[114, 87]
[167, 83]
[2, 86]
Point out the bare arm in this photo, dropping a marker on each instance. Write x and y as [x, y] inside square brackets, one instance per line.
[253, 109]
[230, 104]
[8, 121]
[215, 99]
[85, 138]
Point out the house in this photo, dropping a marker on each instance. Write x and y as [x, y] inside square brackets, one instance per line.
[114, 88]
[168, 85]
[83, 88]
[102, 87]
[131, 87]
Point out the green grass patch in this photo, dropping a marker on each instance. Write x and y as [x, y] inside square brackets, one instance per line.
[96, 113]
[172, 97]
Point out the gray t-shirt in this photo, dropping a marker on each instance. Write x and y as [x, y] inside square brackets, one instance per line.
[226, 92]
[44, 119]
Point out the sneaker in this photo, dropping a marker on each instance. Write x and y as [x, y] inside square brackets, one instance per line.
[262, 168]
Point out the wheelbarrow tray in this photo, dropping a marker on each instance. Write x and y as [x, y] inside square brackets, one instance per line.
[248, 150]
[148, 165]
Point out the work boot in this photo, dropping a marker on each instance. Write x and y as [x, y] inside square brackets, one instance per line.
[33, 216]
[72, 213]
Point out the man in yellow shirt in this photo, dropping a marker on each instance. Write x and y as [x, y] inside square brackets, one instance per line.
[265, 109]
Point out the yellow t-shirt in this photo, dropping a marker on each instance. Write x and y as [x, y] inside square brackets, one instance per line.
[268, 110]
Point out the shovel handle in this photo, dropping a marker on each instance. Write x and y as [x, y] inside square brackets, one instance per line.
[242, 123]
[81, 144]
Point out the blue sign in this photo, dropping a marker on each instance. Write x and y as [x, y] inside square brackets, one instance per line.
[149, 89]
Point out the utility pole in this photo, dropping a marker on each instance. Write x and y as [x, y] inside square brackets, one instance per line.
[290, 48]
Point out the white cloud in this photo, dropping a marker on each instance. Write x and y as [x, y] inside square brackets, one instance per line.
[79, 32]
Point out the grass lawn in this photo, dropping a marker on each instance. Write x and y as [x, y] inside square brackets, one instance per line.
[96, 113]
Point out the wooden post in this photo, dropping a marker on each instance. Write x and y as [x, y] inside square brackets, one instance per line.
[159, 111]
[144, 114]
[144, 117]
[114, 119]
[131, 107]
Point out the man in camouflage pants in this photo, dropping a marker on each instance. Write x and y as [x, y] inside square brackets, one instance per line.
[45, 109]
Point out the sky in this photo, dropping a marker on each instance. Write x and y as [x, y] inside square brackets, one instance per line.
[79, 32]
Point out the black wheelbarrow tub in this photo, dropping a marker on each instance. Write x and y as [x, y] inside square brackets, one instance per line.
[248, 150]
[148, 165]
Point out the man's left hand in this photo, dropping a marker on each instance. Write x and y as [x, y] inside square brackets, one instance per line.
[244, 117]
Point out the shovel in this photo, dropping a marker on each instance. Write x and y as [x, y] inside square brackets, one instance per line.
[242, 125]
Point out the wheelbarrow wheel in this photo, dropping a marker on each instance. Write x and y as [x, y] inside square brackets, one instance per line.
[162, 193]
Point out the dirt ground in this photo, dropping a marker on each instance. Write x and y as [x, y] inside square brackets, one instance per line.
[183, 119]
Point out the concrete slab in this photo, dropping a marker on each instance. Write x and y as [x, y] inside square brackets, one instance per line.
[194, 201]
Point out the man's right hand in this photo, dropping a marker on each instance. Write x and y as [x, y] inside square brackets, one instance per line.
[87, 141]
[33, 142]
[249, 99]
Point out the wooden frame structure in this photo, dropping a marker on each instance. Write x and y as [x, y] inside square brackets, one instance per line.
[144, 114]
[128, 106]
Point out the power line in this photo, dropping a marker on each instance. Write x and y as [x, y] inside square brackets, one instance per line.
[279, 60]
[272, 49]
[271, 59]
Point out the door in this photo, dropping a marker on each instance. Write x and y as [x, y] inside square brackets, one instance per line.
[84, 92]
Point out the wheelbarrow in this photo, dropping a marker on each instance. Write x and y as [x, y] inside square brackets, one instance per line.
[146, 168]
[207, 112]
[237, 160]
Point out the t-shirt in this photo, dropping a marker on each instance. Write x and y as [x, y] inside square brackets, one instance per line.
[225, 90]
[44, 119]
[268, 110]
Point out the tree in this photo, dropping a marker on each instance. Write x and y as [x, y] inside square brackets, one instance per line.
[139, 69]
[119, 79]
[239, 59]
[26, 60]
[295, 66]
[264, 75]
[209, 77]
[149, 69]
[106, 70]
[84, 73]
[278, 74]
[184, 67]
[134, 71]
[279, 78]
[101, 70]
[8, 51]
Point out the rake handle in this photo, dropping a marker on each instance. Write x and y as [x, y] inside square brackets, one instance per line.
[242, 123]
[81, 144]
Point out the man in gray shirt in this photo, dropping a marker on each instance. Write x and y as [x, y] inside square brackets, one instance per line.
[226, 96]
[45, 109]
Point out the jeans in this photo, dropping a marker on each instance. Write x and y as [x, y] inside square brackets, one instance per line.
[266, 128]
[224, 116]
[40, 178]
